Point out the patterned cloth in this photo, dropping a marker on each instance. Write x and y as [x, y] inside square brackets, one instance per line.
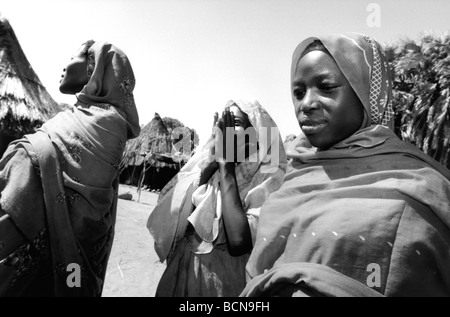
[198, 261]
[372, 73]
[372, 207]
[59, 185]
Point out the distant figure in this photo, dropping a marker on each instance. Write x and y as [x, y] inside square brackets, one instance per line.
[360, 213]
[205, 221]
[59, 186]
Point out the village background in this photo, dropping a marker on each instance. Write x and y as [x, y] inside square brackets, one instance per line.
[190, 64]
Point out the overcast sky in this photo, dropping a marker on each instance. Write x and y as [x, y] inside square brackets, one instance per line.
[191, 56]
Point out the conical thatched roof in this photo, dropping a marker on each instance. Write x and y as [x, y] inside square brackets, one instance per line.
[153, 139]
[24, 102]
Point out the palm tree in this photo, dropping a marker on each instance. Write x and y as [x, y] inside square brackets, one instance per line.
[421, 75]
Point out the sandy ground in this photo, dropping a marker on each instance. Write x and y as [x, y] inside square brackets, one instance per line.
[134, 268]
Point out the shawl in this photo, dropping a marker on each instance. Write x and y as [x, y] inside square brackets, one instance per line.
[256, 180]
[77, 155]
[370, 201]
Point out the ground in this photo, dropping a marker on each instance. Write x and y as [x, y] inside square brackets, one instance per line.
[134, 268]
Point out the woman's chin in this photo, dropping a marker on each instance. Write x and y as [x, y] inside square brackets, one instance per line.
[66, 90]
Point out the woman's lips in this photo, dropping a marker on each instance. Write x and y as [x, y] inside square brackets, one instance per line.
[312, 125]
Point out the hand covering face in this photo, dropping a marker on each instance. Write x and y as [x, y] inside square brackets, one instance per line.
[256, 180]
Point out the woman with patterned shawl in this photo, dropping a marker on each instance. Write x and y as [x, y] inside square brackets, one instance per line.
[360, 213]
[59, 185]
[205, 219]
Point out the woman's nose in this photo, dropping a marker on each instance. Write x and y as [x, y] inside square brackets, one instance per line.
[309, 102]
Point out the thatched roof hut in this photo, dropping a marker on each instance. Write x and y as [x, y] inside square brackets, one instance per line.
[148, 160]
[24, 102]
[153, 139]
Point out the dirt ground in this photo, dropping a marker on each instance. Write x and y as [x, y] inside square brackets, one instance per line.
[134, 268]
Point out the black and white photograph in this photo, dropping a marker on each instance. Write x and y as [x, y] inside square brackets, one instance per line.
[231, 151]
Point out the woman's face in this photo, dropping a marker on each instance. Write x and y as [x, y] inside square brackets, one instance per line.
[327, 108]
[241, 123]
[74, 76]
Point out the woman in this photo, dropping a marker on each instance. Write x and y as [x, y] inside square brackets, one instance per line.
[205, 220]
[360, 213]
[59, 185]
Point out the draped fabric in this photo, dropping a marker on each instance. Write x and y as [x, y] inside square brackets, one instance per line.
[306, 280]
[256, 179]
[187, 224]
[371, 207]
[112, 82]
[59, 188]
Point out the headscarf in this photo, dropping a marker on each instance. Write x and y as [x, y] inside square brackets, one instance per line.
[364, 64]
[78, 152]
[111, 82]
[347, 188]
[256, 179]
[95, 130]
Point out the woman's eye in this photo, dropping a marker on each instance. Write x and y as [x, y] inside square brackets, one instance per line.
[327, 87]
[298, 93]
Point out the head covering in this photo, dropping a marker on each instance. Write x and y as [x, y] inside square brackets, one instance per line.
[256, 179]
[111, 82]
[365, 66]
[342, 207]
[79, 152]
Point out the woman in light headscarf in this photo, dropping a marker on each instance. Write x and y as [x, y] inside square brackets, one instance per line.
[361, 213]
[205, 220]
[59, 185]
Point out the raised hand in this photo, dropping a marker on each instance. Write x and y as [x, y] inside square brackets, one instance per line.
[224, 138]
[211, 165]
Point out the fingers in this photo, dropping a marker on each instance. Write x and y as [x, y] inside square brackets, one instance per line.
[218, 139]
[228, 118]
[222, 140]
[216, 117]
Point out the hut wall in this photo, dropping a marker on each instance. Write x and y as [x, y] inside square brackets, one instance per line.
[155, 178]
[5, 139]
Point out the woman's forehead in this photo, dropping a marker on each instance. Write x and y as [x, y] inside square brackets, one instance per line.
[318, 63]
[237, 111]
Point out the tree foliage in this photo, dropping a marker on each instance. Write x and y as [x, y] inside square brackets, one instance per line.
[421, 91]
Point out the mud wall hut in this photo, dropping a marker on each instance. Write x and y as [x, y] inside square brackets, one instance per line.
[149, 160]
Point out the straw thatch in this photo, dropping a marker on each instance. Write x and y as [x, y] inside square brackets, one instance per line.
[153, 139]
[151, 160]
[25, 104]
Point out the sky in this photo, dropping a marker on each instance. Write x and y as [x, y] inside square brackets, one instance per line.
[191, 56]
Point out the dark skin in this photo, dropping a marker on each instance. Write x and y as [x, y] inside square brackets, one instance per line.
[237, 229]
[75, 75]
[72, 81]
